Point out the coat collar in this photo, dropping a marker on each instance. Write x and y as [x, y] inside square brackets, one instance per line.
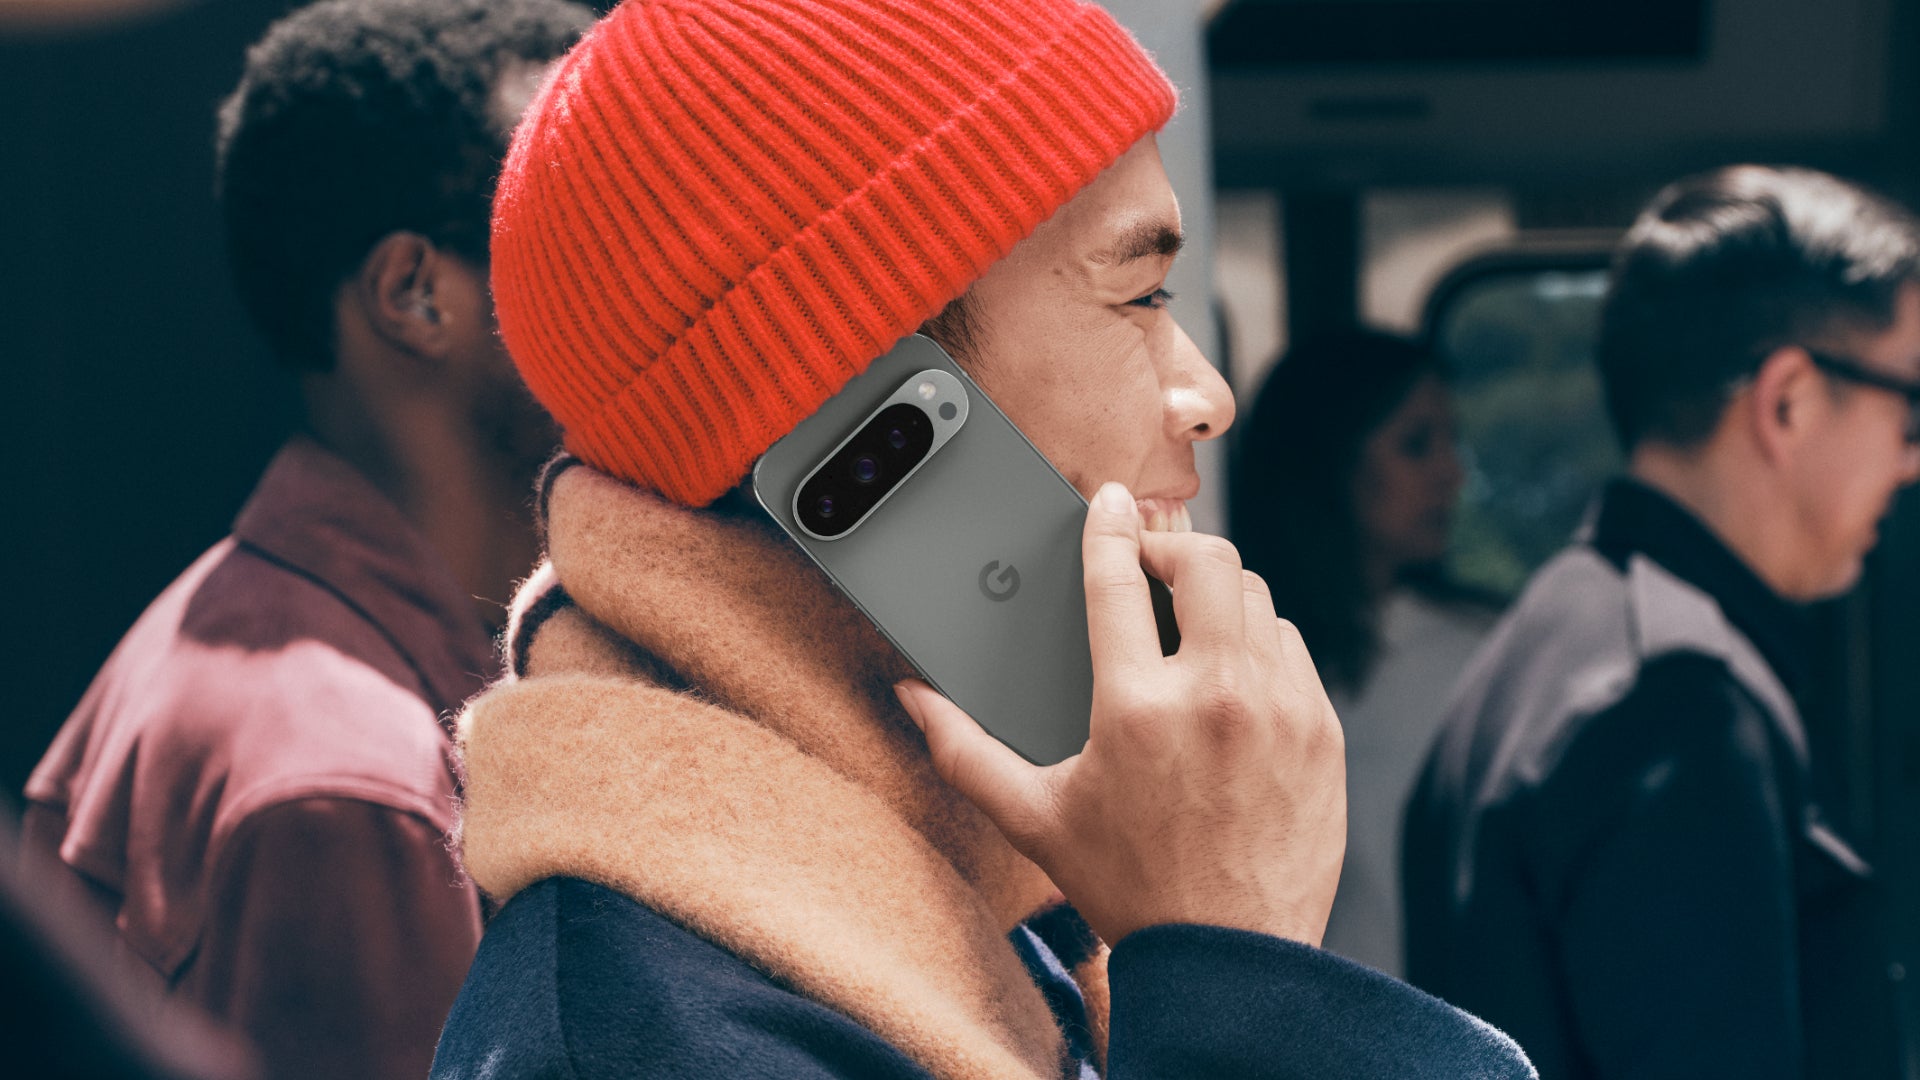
[1670, 615]
[315, 514]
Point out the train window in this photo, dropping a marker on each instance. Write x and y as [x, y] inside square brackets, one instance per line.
[1517, 331]
[1412, 238]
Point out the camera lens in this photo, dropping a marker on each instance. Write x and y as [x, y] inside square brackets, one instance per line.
[865, 468]
[897, 439]
[824, 507]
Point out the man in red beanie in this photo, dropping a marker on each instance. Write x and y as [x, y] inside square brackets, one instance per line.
[731, 835]
[254, 795]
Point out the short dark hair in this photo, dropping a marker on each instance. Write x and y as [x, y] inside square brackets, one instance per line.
[1725, 268]
[956, 328]
[356, 119]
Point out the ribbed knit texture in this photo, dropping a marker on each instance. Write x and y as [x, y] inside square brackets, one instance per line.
[720, 211]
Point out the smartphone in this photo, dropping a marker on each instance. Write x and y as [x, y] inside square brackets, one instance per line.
[954, 535]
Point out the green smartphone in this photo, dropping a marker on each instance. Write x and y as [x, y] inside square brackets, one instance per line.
[955, 536]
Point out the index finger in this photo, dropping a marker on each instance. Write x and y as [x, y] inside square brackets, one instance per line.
[1120, 624]
[1209, 590]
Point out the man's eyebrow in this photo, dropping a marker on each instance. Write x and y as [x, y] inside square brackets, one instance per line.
[1144, 241]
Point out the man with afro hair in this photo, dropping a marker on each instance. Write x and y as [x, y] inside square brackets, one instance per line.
[255, 792]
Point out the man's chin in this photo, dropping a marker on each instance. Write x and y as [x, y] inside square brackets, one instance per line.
[1843, 582]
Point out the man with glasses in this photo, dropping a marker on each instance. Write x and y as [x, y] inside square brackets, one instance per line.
[1614, 853]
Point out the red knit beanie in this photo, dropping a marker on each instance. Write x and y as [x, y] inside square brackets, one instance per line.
[720, 211]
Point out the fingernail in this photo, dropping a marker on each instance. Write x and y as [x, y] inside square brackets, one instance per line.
[908, 703]
[1114, 498]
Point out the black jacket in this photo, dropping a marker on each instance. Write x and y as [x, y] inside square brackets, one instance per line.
[1613, 854]
[576, 981]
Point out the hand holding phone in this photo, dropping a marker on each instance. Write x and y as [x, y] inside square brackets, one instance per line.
[1212, 788]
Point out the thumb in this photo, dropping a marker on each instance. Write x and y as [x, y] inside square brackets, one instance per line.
[1007, 788]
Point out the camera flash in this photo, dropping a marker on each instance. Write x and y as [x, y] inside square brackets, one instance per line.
[927, 391]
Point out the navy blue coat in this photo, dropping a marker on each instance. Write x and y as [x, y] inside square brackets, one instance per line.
[576, 981]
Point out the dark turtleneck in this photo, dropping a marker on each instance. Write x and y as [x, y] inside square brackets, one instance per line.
[1637, 519]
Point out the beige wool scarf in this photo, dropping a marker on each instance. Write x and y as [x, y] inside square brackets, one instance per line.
[700, 722]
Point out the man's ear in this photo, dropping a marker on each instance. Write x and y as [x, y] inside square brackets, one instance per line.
[396, 291]
[1782, 400]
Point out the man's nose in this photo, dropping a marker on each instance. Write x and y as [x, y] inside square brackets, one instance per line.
[1199, 403]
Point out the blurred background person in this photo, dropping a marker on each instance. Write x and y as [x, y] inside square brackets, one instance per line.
[1617, 853]
[1343, 491]
[255, 791]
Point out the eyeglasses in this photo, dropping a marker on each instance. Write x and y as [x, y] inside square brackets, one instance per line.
[1854, 371]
